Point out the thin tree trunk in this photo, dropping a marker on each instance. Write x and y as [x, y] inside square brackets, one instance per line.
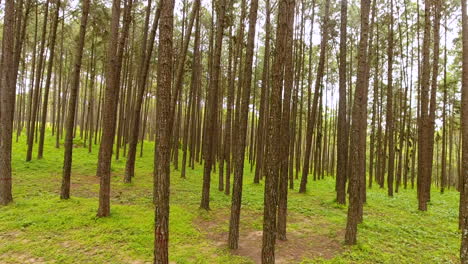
[358, 131]
[36, 91]
[211, 119]
[195, 83]
[389, 127]
[243, 119]
[111, 97]
[263, 121]
[342, 146]
[141, 83]
[318, 86]
[423, 125]
[48, 80]
[67, 161]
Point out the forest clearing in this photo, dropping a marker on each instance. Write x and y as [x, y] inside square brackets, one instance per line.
[234, 131]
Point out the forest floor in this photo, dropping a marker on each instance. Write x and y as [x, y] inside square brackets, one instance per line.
[40, 228]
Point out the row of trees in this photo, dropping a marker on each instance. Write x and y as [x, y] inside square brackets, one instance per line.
[222, 88]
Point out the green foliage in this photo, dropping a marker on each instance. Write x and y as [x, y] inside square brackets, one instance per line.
[40, 226]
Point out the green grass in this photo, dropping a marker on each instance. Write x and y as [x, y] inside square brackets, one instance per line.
[39, 226]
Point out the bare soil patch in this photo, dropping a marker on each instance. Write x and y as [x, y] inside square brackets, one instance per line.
[303, 244]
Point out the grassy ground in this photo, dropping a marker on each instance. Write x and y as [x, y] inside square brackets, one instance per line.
[40, 228]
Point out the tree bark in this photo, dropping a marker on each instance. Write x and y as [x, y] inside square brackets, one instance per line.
[114, 64]
[243, 118]
[389, 122]
[318, 86]
[162, 146]
[7, 99]
[45, 102]
[342, 147]
[272, 161]
[358, 130]
[423, 124]
[288, 77]
[262, 121]
[464, 129]
[68, 144]
[37, 87]
[211, 118]
[141, 83]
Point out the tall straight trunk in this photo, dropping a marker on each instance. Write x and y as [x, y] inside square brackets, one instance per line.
[227, 146]
[195, 104]
[403, 106]
[60, 97]
[109, 113]
[433, 101]
[318, 86]
[373, 158]
[211, 118]
[443, 173]
[32, 74]
[464, 131]
[272, 158]
[243, 118]
[7, 99]
[309, 95]
[342, 159]
[163, 141]
[288, 77]
[92, 89]
[37, 85]
[298, 84]
[371, 53]
[177, 93]
[21, 23]
[389, 122]
[180, 70]
[45, 102]
[409, 117]
[239, 59]
[262, 120]
[75, 83]
[358, 130]
[141, 83]
[423, 125]
[195, 83]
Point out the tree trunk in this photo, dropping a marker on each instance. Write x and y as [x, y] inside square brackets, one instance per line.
[211, 119]
[37, 87]
[288, 77]
[262, 121]
[358, 131]
[464, 130]
[162, 146]
[272, 159]
[243, 118]
[195, 83]
[342, 147]
[318, 86]
[111, 97]
[45, 102]
[390, 131]
[423, 125]
[7, 99]
[141, 83]
[68, 144]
